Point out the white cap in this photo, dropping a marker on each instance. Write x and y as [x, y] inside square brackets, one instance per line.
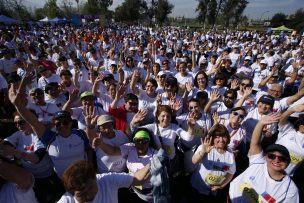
[264, 61]
[132, 49]
[113, 63]
[248, 58]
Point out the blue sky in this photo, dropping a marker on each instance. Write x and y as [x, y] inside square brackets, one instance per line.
[256, 9]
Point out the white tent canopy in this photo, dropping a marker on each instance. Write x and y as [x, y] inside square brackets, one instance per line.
[46, 19]
[7, 20]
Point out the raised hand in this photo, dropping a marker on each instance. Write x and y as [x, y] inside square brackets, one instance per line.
[189, 86]
[247, 91]
[215, 95]
[270, 118]
[216, 118]
[206, 144]
[191, 119]
[90, 115]
[234, 84]
[74, 95]
[139, 116]
[176, 105]
[120, 91]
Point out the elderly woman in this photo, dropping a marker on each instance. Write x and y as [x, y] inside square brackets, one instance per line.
[265, 180]
[164, 134]
[216, 165]
[138, 154]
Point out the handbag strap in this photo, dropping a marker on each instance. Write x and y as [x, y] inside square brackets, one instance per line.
[159, 136]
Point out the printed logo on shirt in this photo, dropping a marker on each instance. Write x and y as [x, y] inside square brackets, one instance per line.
[252, 196]
[221, 168]
[167, 149]
[212, 179]
[29, 148]
[198, 131]
[294, 159]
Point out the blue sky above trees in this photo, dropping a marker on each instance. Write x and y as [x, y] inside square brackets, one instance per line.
[256, 9]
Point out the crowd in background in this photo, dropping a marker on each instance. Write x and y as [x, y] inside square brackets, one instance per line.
[150, 115]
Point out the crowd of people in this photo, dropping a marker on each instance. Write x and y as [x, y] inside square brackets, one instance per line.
[135, 114]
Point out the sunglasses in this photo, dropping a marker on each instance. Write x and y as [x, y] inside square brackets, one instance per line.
[280, 158]
[227, 97]
[241, 116]
[141, 141]
[133, 103]
[60, 123]
[246, 85]
[21, 122]
[129, 60]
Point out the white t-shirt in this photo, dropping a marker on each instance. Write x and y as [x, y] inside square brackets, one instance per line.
[250, 122]
[59, 101]
[64, 151]
[236, 135]
[202, 125]
[45, 113]
[29, 144]
[136, 162]
[168, 135]
[212, 170]
[255, 185]
[107, 163]
[294, 141]
[221, 109]
[10, 193]
[146, 102]
[108, 185]
[43, 81]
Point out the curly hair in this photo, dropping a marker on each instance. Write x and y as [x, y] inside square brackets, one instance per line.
[77, 175]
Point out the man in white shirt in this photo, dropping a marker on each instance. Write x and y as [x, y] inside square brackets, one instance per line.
[265, 179]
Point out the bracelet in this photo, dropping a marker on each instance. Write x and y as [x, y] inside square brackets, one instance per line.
[201, 154]
[91, 126]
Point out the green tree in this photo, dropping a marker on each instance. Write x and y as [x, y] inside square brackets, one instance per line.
[130, 11]
[296, 20]
[278, 19]
[39, 13]
[202, 11]
[163, 9]
[211, 14]
[51, 9]
[239, 10]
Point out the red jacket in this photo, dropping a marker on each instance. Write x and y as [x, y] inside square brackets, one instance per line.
[120, 115]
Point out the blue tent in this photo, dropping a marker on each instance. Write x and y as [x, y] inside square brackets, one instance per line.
[7, 20]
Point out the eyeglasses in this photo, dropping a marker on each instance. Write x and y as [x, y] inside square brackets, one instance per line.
[246, 85]
[280, 158]
[141, 141]
[20, 122]
[227, 97]
[241, 116]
